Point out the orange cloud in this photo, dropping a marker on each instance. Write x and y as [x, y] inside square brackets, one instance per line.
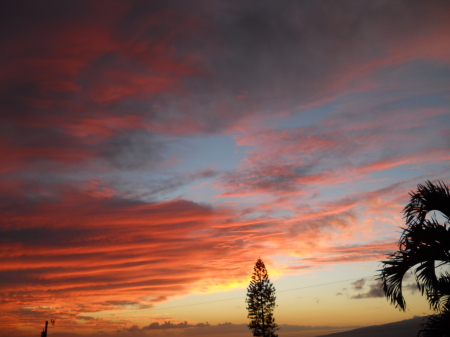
[93, 254]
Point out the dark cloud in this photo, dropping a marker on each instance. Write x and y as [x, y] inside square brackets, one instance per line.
[276, 52]
[133, 328]
[170, 183]
[87, 318]
[169, 325]
[137, 150]
[359, 284]
[178, 69]
[375, 291]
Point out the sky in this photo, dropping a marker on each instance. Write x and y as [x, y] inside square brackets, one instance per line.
[152, 151]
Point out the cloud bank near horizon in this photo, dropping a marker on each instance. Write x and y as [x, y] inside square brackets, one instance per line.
[204, 329]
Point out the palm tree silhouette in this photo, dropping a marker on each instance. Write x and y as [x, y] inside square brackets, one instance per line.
[423, 246]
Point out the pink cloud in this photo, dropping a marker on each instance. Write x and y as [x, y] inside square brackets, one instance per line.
[345, 254]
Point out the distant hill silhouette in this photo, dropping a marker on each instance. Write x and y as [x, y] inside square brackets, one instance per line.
[406, 328]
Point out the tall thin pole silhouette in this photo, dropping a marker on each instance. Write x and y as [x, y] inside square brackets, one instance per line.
[44, 332]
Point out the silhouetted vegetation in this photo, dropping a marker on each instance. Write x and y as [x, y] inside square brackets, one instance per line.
[169, 325]
[261, 302]
[423, 246]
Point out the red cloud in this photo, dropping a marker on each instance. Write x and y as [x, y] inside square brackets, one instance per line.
[60, 85]
[92, 254]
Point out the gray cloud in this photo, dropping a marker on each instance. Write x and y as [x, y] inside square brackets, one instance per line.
[233, 61]
[169, 325]
[172, 182]
[359, 284]
[374, 291]
[134, 150]
[87, 318]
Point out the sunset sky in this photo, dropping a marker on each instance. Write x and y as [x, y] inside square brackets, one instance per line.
[152, 151]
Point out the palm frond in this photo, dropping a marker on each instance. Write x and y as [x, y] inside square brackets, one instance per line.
[422, 243]
[428, 197]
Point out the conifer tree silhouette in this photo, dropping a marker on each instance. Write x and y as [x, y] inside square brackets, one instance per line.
[261, 302]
